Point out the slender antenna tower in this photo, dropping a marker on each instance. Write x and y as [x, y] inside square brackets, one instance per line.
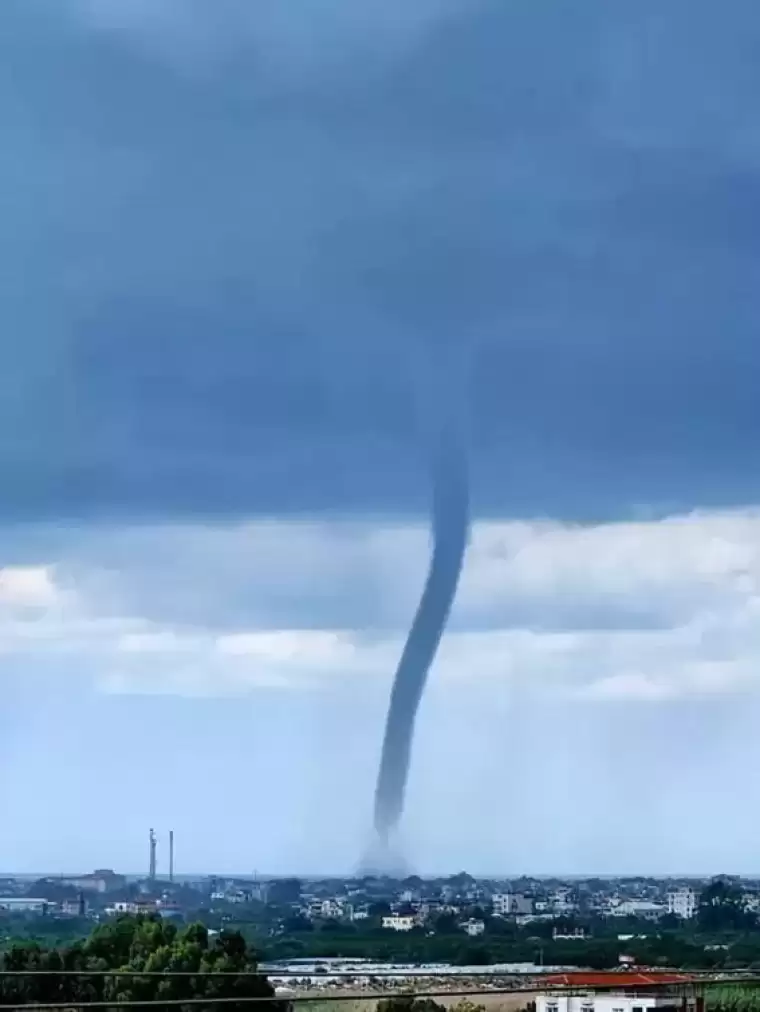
[152, 871]
[171, 855]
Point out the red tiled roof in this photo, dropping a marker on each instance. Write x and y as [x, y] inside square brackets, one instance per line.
[625, 978]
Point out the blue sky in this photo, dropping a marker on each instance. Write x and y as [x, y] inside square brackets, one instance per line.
[249, 253]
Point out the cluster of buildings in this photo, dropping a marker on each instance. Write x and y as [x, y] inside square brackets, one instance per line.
[96, 894]
[395, 905]
[524, 908]
[628, 991]
[420, 903]
[64, 896]
[40, 907]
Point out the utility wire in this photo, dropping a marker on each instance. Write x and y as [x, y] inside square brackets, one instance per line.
[264, 974]
[326, 973]
[468, 992]
[325, 997]
[264, 999]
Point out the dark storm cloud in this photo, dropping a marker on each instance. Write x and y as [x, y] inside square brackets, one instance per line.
[222, 273]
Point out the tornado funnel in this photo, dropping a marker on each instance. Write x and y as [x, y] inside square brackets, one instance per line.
[450, 526]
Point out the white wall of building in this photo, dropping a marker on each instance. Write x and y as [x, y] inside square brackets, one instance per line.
[601, 1002]
[508, 904]
[639, 908]
[682, 903]
[23, 904]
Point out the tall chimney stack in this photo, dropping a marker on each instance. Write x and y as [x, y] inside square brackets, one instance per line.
[171, 855]
[152, 869]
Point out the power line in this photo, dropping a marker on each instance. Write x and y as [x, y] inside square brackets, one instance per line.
[322, 997]
[264, 999]
[352, 995]
[231, 974]
[324, 972]
[263, 974]
[439, 992]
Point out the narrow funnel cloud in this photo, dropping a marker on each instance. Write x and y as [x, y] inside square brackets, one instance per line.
[450, 526]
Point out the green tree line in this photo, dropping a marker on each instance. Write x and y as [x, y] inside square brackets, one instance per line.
[138, 945]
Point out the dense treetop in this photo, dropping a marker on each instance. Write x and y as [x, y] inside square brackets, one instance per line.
[132, 945]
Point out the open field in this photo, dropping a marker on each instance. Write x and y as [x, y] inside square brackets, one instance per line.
[367, 1003]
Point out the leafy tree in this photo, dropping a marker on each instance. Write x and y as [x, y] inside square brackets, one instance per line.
[472, 955]
[413, 882]
[446, 924]
[407, 1003]
[132, 945]
[722, 908]
[461, 881]
[52, 890]
[296, 924]
[465, 1005]
[284, 891]
[379, 909]
[333, 926]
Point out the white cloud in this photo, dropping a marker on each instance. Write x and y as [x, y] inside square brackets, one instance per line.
[292, 645]
[151, 643]
[647, 572]
[296, 39]
[28, 586]
[601, 658]
[626, 687]
[648, 611]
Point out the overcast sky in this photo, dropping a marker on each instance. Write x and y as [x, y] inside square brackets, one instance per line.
[249, 253]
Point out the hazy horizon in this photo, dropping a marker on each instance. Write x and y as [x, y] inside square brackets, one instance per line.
[356, 876]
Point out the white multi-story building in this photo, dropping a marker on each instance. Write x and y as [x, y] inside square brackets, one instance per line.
[639, 908]
[682, 903]
[24, 905]
[561, 902]
[102, 881]
[473, 927]
[399, 922]
[607, 1002]
[510, 904]
[73, 908]
[332, 909]
[569, 934]
[132, 907]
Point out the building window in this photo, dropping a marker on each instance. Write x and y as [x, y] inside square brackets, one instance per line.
[637, 1008]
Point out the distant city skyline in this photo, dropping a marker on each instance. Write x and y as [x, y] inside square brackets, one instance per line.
[312, 876]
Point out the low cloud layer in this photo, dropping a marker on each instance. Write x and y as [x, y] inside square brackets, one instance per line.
[584, 666]
[647, 611]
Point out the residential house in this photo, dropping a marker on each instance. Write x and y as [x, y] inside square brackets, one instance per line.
[510, 904]
[682, 903]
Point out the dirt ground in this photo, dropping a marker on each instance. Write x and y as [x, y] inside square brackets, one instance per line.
[492, 1002]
